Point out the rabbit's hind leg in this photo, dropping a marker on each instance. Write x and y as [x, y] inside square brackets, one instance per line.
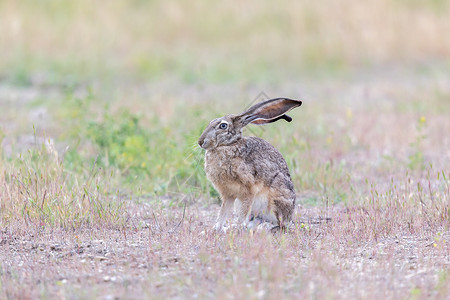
[283, 210]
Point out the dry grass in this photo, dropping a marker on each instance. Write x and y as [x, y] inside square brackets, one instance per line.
[166, 259]
[102, 192]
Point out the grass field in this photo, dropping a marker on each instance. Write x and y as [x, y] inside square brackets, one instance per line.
[102, 188]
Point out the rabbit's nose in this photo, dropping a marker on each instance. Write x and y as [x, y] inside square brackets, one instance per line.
[201, 142]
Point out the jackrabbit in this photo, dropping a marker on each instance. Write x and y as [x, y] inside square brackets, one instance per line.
[249, 169]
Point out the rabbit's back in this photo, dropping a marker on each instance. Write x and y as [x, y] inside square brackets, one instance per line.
[250, 165]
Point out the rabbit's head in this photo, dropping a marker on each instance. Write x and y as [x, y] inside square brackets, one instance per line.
[228, 129]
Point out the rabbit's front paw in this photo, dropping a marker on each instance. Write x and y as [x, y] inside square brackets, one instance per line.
[219, 228]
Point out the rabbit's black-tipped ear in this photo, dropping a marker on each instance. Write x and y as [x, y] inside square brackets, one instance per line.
[269, 111]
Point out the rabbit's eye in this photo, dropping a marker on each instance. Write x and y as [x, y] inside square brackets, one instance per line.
[223, 125]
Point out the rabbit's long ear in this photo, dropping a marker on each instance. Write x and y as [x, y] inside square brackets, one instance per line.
[268, 111]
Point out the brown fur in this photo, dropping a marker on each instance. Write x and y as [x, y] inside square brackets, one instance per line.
[249, 168]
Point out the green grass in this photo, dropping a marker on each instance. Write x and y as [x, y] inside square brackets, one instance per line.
[152, 154]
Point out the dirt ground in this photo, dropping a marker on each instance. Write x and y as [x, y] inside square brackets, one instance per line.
[164, 255]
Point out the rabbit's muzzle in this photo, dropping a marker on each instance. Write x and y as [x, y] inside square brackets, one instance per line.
[203, 143]
[207, 140]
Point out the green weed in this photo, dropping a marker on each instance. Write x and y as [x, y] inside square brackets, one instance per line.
[416, 160]
[42, 192]
[152, 159]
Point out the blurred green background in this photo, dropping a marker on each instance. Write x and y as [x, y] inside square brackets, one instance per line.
[122, 89]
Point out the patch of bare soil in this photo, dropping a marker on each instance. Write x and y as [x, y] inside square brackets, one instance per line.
[165, 255]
